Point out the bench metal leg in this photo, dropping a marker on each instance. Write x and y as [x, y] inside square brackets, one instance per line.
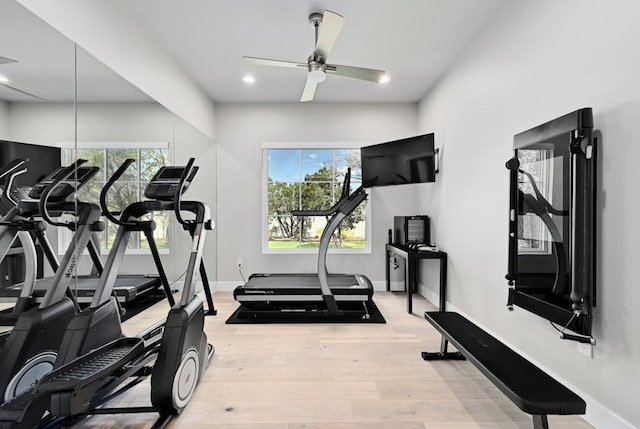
[443, 354]
[540, 422]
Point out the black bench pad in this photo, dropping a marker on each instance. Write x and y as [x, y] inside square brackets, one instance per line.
[530, 388]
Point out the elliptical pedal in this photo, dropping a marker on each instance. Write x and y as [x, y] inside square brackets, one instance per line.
[93, 366]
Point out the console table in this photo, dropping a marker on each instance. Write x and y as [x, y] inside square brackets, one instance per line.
[412, 258]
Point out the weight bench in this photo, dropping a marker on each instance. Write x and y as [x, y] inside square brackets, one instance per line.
[530, 388]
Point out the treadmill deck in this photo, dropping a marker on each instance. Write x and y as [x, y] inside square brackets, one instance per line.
[303, 288]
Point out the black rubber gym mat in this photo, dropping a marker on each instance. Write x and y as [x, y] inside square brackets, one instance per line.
[248, 316]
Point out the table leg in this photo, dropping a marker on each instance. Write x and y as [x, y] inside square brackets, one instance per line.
[387, 274]
[411, 282]
[443, 283]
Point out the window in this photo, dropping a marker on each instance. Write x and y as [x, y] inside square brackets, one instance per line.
[130, 188]
[309, 178]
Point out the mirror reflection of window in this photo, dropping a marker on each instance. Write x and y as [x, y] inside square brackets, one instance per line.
[536, 169]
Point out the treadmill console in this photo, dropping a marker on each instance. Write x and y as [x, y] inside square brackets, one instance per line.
[164, 184]
[65, 187]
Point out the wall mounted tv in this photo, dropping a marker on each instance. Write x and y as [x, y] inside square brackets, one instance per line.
[399, 162]
[552, 222]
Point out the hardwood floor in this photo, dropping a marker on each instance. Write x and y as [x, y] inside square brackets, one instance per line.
[338, 376]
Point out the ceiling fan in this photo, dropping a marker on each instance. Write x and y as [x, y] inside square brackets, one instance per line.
[327, 28]
[6, 83]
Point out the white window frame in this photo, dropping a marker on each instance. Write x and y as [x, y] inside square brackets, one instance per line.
[65, 236]
[265, 203]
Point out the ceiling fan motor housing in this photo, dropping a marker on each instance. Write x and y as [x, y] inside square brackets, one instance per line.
[317, 68]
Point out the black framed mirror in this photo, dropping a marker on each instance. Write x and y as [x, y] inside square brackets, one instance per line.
[552, 222]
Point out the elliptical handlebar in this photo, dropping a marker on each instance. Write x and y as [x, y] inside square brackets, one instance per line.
[107, 187]
[186, 174]
[9, 172]
[42, 203]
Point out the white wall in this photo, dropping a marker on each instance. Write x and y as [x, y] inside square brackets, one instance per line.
[241, 130]
[536, 61]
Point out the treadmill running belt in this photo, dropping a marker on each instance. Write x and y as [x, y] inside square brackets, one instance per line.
[301, 281]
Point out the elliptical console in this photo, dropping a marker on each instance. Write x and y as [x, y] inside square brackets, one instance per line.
[66, 184]
[167, 181]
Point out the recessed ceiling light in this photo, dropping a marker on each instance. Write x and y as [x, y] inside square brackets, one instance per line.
[249, 79]
[384, 79]
[3, 79]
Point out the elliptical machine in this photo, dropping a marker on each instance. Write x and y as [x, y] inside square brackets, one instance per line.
[32, 346]
[80, 385]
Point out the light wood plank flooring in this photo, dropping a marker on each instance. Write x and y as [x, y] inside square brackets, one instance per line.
[338, 376]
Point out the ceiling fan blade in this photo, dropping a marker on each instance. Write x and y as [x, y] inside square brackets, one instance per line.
[276, 63]
[328, 33]
[6, 85]
[4, 60]
[356, 72]
[309, 91]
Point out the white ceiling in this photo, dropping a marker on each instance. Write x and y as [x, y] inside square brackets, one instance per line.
[415, 41]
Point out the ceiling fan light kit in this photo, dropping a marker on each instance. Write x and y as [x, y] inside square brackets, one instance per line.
[327, 26]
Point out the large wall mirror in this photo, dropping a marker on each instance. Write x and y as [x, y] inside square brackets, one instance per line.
[55, 94]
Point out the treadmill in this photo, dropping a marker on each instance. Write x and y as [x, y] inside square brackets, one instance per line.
[128, 287]
[313, 294]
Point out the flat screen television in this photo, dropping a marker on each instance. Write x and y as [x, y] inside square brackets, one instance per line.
[552, 222]
[399, 162]
[42, 160]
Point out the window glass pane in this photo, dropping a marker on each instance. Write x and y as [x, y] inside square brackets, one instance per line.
[345, 158]
[317, 196]
[134, 240]
[317, 164]
[283, 197]
[115, 158]
[536, 166]
[351, 234]
[90, 192]
[94, 157]
[312, 231]
[284, 165]
[150, 162]
[283, 232]
[160, 234]
[121, 195]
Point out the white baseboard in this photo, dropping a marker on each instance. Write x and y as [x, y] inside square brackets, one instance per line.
[597, 414]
